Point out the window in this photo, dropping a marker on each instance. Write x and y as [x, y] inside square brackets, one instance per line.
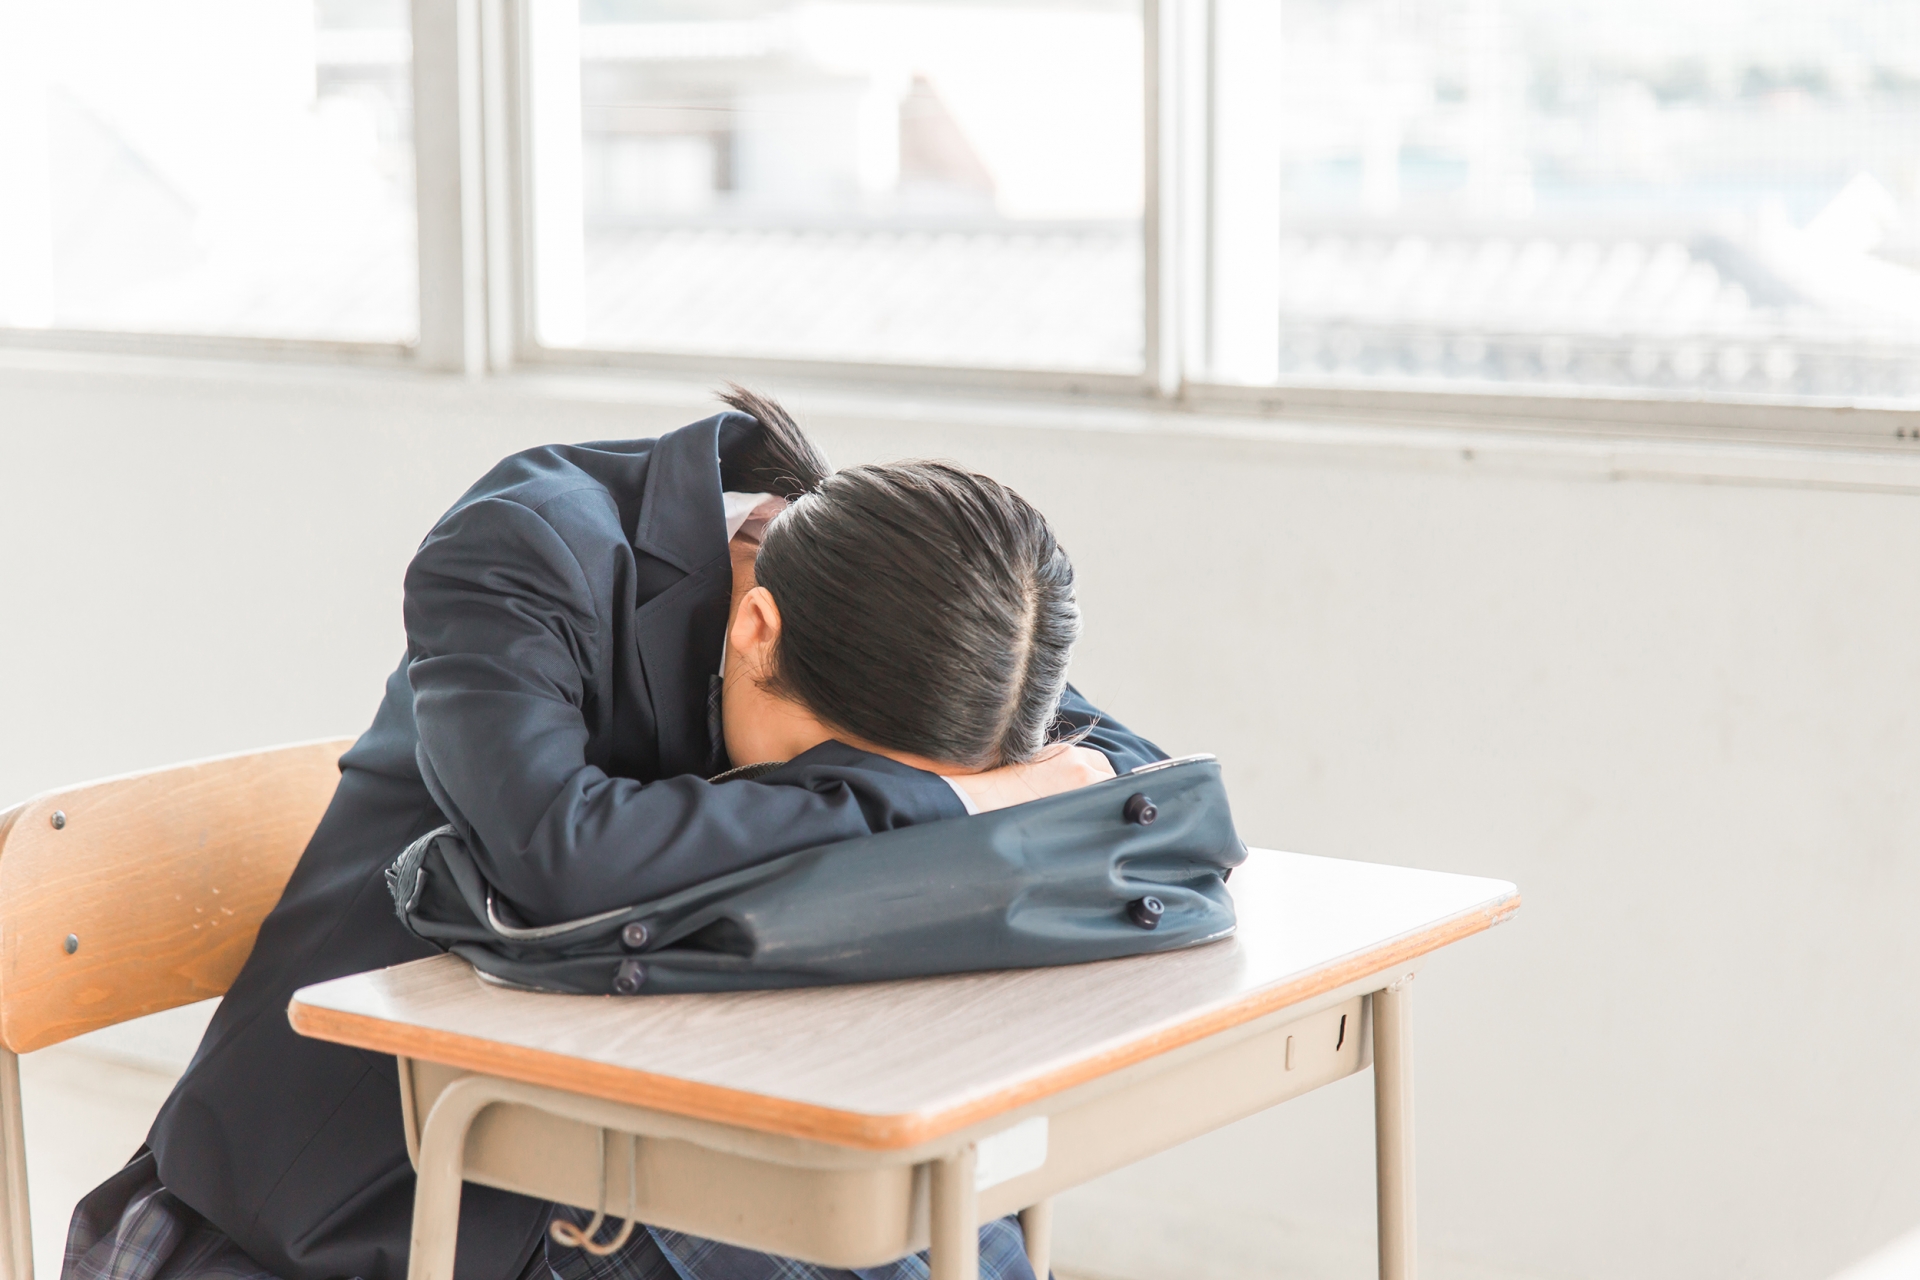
[237, 167]
[1714, 201]
[894, 181]
[1718, 198]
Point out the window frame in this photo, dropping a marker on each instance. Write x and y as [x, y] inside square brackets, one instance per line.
[471, 129]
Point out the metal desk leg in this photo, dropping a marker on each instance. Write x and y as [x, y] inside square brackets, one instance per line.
[436, 1190]
[955, 1225]
[1036, 1224]
[1393, 1129]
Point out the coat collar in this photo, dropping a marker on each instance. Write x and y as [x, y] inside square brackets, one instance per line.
[682, 520]
[682, 629]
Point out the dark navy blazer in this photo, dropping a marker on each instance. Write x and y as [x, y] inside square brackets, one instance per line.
[562, 622]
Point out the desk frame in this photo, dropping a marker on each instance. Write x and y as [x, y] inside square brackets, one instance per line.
[845, 1206]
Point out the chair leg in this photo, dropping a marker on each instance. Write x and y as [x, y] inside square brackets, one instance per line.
[956, 1219]
[16, 1259]
[1036, 1224]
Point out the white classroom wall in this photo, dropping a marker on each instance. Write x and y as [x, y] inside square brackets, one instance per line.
[1673, 692]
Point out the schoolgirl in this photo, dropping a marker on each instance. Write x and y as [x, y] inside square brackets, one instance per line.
[593, 633]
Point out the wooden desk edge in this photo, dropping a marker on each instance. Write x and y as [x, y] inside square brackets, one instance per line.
[849, 1128]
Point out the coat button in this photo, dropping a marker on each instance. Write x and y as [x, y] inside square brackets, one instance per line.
[1146, 912]
[631, 977]
[1141, 810]
[634, 936]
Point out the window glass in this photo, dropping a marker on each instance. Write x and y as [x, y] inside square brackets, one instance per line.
[924, 183]
[1716, 197]
[238, 167]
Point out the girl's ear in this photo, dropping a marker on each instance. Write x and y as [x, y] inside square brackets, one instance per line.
[756, 629]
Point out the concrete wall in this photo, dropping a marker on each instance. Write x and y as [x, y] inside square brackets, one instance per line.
[1673, 691]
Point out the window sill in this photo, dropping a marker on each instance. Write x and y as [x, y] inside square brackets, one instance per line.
[1591, 438]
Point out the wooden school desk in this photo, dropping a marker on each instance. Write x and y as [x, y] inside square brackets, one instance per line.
[850, 1126]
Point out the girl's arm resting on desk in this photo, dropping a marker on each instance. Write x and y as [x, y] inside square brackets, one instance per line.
[500, 626]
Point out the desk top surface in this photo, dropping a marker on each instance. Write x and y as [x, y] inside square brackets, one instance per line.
[888, 1065]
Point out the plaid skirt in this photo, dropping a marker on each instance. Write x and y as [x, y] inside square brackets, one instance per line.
[132, 1228]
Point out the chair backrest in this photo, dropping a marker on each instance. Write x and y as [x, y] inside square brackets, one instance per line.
[135, 894]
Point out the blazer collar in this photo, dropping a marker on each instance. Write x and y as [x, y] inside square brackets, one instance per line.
[682, 520]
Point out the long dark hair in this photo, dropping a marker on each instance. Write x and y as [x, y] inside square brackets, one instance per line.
[923, 608]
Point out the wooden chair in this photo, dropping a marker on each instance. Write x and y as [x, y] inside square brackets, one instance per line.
[132, 895]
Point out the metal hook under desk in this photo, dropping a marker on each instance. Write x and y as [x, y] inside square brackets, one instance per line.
[566, 1233]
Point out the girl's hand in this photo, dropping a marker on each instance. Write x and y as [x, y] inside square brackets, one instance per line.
[1064, 769]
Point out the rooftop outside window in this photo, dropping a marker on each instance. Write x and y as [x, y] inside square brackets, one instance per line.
[1716, 198]
[903, 182]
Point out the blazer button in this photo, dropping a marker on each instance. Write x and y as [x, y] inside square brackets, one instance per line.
[634, 936]
[1146, 912]
[1141, 810]
[630, 978]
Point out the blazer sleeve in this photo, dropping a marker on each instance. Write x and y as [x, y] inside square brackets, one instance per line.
[1121, 745]
[502, 629]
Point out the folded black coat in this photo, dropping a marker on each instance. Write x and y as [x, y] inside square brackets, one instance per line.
[1132, 865]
